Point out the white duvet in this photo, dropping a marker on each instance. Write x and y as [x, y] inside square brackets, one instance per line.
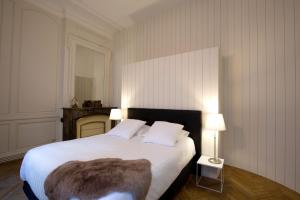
[166, 162]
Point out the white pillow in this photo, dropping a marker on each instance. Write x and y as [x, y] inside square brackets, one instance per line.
[141, 132]
[164, 133]
[127, 128]
[182, 134]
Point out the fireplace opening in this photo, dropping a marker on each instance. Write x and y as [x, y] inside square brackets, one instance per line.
[92, 125]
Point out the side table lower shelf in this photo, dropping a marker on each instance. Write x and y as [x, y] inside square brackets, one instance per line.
[207, 183]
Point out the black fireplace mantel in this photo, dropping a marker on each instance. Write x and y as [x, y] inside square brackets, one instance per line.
[70, 116]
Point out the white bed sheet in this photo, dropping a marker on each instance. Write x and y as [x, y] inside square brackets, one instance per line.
[166, 162]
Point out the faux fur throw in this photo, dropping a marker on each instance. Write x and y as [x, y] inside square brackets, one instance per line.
[97, 178]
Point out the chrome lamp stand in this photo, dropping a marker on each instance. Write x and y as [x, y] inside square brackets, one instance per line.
[215, 159]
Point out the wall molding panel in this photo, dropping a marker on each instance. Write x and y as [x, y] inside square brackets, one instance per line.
[46, 45]
[259, 49]
[4, 137]
[42, 131]
[5, 55]
[297, 77]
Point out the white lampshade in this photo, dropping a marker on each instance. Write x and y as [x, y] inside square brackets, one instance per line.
[215, 122]
[115, 114]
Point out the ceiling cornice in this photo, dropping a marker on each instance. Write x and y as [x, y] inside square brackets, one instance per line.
[96, 27]
[94, 12]
[49, 6]
[77, 13]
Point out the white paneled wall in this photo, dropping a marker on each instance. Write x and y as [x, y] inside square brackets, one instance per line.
[297, 91]
[30, 77]
[34, 53]
[259, 44]
[183, 81]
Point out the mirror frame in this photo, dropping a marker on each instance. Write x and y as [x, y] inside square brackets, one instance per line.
[73, 42]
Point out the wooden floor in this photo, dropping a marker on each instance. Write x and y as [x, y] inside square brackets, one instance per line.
[10, 183]
[239, 185]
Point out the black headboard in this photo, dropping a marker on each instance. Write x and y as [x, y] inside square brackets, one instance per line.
[191, 119]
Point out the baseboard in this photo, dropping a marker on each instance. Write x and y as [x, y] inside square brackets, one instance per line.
[11, 157]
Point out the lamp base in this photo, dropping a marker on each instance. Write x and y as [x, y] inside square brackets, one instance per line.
[214, 160]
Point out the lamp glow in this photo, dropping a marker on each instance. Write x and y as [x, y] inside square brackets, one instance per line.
[115, 114]
[215, 123]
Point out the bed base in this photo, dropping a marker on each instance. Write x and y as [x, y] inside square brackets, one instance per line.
[179, 182]
[28, 191]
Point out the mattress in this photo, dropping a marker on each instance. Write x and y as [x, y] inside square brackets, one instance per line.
[166, 162]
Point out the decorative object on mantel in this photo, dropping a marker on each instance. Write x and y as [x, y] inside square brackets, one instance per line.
[75, 103]
[215, 123]
[92, 104]
[115, 114]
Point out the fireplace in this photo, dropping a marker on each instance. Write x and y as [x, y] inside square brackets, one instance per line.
[92, 125]
[84, 122]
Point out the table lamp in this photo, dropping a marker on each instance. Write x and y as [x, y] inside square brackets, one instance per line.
[115, 114]
[215, 123]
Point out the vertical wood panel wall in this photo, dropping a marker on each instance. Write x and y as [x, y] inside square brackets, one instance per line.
[183, 81]
[259, 42]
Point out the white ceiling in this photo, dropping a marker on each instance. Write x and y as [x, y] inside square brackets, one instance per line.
[124, 13]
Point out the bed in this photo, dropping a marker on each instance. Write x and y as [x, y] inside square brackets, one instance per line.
[169, 170]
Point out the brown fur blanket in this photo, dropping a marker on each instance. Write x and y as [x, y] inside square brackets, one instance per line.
[97, 178]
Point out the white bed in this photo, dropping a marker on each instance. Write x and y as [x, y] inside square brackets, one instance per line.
[166, 162]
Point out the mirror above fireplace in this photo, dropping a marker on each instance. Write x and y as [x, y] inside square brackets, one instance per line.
[88, 72]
